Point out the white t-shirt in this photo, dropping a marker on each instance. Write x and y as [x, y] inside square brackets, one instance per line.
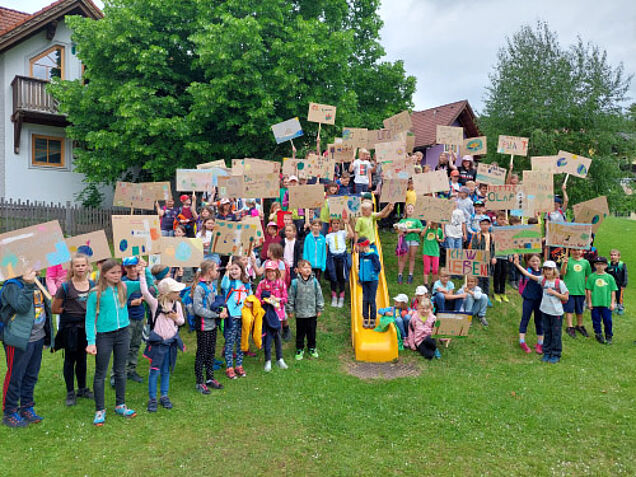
[337, 241]
[288, 252]
[550, 304]
[361, 171]
[454, 228]
[206, 237]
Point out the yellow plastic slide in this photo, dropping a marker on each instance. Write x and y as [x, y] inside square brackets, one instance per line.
[369, 345]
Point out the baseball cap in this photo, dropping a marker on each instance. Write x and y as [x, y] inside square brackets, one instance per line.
[464, 189]
[401, 298]
[421, 290]
[558, 199]
[467, 157]
[130, 261]
[600, 260]
[485, 218]
[168, 285]
[270, 265]
[454, 173]
[184, 197]
[224, 201]
[549, 264]
[293, 178]
[364, 242]
[479, 202]
[272, 224]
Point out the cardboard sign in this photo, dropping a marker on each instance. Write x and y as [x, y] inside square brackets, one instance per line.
[394, 190]
[516, 146]
[378, 136]
[592, 212]
[321, 113]
[398, 123]
[313, 166]
[467, 262]
[181, 252]
[433, 209]
[475, 146]
[490, 174]
[195, 180]
[135, 235]
[94, 245]
[451, 324]
[234, 238]
[431, 182]
[504, 197]
[341, 152]
[398, 169]
[37, 247]
[231, 186]
[410, 142]
[572, 164]
[450, 135]
[344, 206]
[390, 151]
[568, 235]
[266, 186]
[287, 130]
[355, 137]
[307, 196]
[544, 163]
[517, 239]
[538, 191]
[254, 167]
[211, 165]
[141, 195]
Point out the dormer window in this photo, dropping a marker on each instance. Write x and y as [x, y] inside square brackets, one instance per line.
[49, 64]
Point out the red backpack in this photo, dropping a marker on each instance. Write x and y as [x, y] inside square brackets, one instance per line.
[557, 286]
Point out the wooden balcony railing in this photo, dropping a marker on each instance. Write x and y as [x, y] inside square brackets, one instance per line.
[29, 94]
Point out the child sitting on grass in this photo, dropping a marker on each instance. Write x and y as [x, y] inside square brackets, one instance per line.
[420, 331]
[421, 292]
[618, 270]
[600, 291]
[368, 276]
[443, 296]
[400, 312]
[475, 302]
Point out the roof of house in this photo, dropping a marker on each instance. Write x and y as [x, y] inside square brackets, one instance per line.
[425, 122]
[16, 26]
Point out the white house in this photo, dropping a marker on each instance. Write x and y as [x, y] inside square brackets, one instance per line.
[36, 157]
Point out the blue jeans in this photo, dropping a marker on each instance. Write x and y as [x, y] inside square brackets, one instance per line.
[601, 313]
[369, 291]
[475, 307]
[530, 306]
[441, 304]
[403, 324]
[153, 377]
[23, 368]
[361, 188]
[452, 242]
[167, 233]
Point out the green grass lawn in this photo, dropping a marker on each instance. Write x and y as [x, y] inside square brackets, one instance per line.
[484, 408]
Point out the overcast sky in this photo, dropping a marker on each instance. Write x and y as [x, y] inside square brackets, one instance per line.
[450, 47]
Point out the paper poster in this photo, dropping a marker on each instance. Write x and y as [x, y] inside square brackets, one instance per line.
[398, 168]
[433, 209]
[307, 196]
[234, 238]
[287, 130]
[490, 174]
[313, 166]
[213, 164]
[141, 195]
[254, 167]
[394, 190]
[194, 180]
[504, 197]
[94, 245]
[181, 252]
[135, 235]
[544, 163]
[321, 113]
[37, 247]
[538, 190]
[431, 182]
[450, 135]
[592, 212]
[572, 164]
[231, 187]
[568, 235]
[343, 206]
[341, 152]
[517, 239]
[467, 262]
[398, 123]
[451, 324]
[390, 151]
[378, 136]
[516, 146]
[355, 137]
[475, 146]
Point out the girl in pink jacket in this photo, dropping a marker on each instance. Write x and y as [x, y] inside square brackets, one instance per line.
[275, 285]
[421, 328]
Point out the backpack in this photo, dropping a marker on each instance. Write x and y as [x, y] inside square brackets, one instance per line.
[187, 299]
[152, 319]
[557, 285]
[6, 311]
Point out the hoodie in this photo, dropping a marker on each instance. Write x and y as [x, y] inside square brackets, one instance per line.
[305, 298]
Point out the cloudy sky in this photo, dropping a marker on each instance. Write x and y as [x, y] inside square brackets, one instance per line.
[450, 47]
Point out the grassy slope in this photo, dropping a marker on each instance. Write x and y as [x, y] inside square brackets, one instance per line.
[486, 407]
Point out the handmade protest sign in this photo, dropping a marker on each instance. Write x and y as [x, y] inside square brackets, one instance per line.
[195, 180]
[467, 262]
[343, 206]
[341, 152]
[254, 167]
[94, 245]
[390, 151]
[517, 239]
[568, 235]
[433, 209]
[475, 146]
[260, 177]
[451, 324]
[490, 174]
[450, 135]
[213, 164]
[313, 166]
[538, 192]
[398, 168]
[142, 195]
[355, 137]
[378, 136]
[306, 196]
[544, 163]
[394, 190]
[321, 113]
[592, 212]
[503, 197]
[410, 142]
[181, 252]
[234, 238]
[398, 123]
[37, 247]
[135, 235]
[431, 182]
[515, 146]
[231, 186]
[287, 130]
[572, 164]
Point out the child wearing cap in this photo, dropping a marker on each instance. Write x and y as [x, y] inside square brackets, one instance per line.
[315, 249]
[555, 293]
[368, 276]
[600, 290]
[560, 205]
[271, 236]
[272, 291]
[421, 292]
[454, 185]
[188, 213]
[618, 269]
[472, 224]
[575, 271]
[400, 313]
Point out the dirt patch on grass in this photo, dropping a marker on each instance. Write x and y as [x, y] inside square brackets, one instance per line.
[383, 370]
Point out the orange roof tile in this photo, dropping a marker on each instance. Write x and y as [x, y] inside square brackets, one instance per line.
[425, 122]
[9, 18]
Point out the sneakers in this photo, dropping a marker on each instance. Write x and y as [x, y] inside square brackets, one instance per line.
[608, 340]
[100, 417]
[300, 354]
[218, 364]
[123, 411]
[240, 372]
[571, 331]
[581, 329]
[135, 377]
[281, 364]
[409, 279]
[489, 302]
[29, 415]
[341, 302]
[438, 355]
[545, 358]
[313, 353]
[538, 348]
[365, 322]
[152, 405]
[554, 359]
[483, 321]
[334, 301]
[525, 347]
[85, 393]
[599, 338]
[165, 402]
[229, 372]
[112, 381]
[14, 420]
[399, 279]
[286, 333]
[70, 399]
[497, 297]
[214, 384]
[505, 298]
[268, 366]
[620, 309]
[203, 389]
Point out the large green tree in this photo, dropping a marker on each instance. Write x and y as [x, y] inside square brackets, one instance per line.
[173, 84]
[562, 99]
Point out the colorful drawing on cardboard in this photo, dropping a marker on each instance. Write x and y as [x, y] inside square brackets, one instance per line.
[433, 209]
[431, 182]
[538, 192]
[544, 163]
[307, 196]
[93, 244]
[490, 174]
[235, 238]
[450, 135]
[341, 152]
[467, 262]
[344, 206]
[398, 169]
[394, 190]
[141, 195]
[37, 247]
[313, 166]
[517, 239]
[181, 252]
[398, 123]
[572, 164]
[195, 180]
[515, 146]
[354, 137]
[378, 136]
[135, 235]
[475, 146]
[593, 212]
[568, 235]
[231, 186]
[287, 130]
[321, 113]
[390, 151]
[504, 197]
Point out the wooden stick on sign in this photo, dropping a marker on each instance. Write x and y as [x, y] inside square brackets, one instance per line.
[565, 182]
[512, 161]
[44, 291]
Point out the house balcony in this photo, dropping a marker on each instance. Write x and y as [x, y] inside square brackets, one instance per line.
[32, 104]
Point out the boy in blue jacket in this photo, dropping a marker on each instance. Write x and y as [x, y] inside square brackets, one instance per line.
[368, 276]
[26, 316]
[315, 249]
